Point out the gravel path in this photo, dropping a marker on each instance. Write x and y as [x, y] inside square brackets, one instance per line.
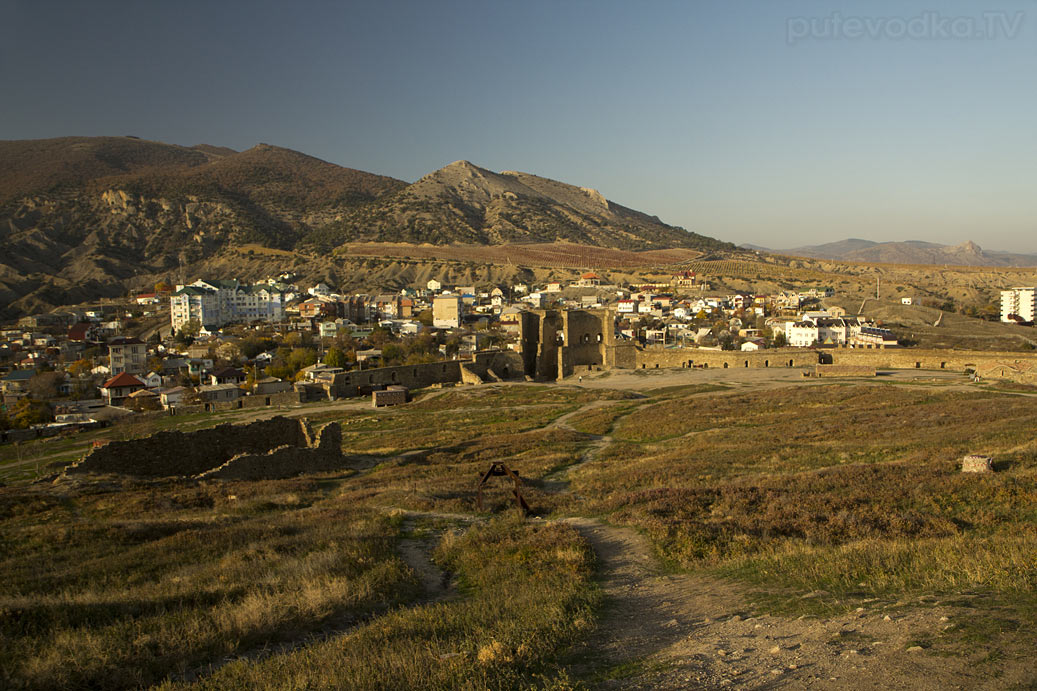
[687, 631]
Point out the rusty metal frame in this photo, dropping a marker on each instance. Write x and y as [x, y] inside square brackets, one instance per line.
[499, 469]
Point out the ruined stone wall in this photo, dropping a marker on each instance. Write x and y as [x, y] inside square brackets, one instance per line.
[348, 384]
[175, 453]
[322, 454]
[529, 341]
[554, 344]
[587, 334]
[469, 375]
[259, 401]
[550, 338]
[503, 364]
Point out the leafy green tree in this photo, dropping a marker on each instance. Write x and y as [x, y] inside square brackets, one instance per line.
[335, 358]
[278, 369]
[301, 357]
[252, 346]
[392, 354]
[380, 336]
[28, 412]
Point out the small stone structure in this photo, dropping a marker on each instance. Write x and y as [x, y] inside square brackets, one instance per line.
[392, 395]
[977, 464]
[266, 449]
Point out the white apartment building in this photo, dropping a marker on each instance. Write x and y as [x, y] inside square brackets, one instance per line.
[822, 330]
[215, 303]
[1019, 302]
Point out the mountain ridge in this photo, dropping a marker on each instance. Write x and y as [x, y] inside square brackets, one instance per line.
[967, 253]
[81, 216]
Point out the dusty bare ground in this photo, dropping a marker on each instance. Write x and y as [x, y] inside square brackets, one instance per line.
[666, 631]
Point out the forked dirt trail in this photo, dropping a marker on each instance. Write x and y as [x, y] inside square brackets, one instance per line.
[665, 631]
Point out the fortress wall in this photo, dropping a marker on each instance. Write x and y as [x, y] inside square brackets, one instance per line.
[349, 384]
[324, 454]
[877, 358]
[679, 358]
[175, 453]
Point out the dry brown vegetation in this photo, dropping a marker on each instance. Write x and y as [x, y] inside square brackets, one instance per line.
[848, 490]
[560, 254]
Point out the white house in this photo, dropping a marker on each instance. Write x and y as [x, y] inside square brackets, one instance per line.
[152, 380]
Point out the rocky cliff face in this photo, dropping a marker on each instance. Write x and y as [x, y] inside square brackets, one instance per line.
[82, 218]
[463, 203]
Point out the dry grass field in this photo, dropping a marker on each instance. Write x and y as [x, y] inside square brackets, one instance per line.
[816, 500]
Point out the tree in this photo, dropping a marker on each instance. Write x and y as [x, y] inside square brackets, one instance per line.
[779, 339]
[335, 358]
[392, 354]
[301, 357]
[46, 385]
[80, 368]
[252, 346]
[186, 334]
[28, 412]
[425, 317]
[380, 336]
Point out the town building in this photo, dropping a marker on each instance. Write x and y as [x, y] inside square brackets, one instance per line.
[127, 355]
[446, 311]
[214, 303]
[116, 390]
[1017, 304]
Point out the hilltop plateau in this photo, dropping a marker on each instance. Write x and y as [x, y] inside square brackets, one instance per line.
[744, 528]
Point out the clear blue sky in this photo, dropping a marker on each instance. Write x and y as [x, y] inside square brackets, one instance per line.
[763, 121]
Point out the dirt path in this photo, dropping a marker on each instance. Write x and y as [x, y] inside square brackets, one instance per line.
[558, 481]
[681, 631]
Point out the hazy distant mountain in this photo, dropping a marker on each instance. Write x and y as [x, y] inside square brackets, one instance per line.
[911, 252]
[79, 215]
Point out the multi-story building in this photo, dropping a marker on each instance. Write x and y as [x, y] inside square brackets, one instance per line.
[1017, 304]
[823, 330]
[127, 355]
[215, 303]
[446, 311]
